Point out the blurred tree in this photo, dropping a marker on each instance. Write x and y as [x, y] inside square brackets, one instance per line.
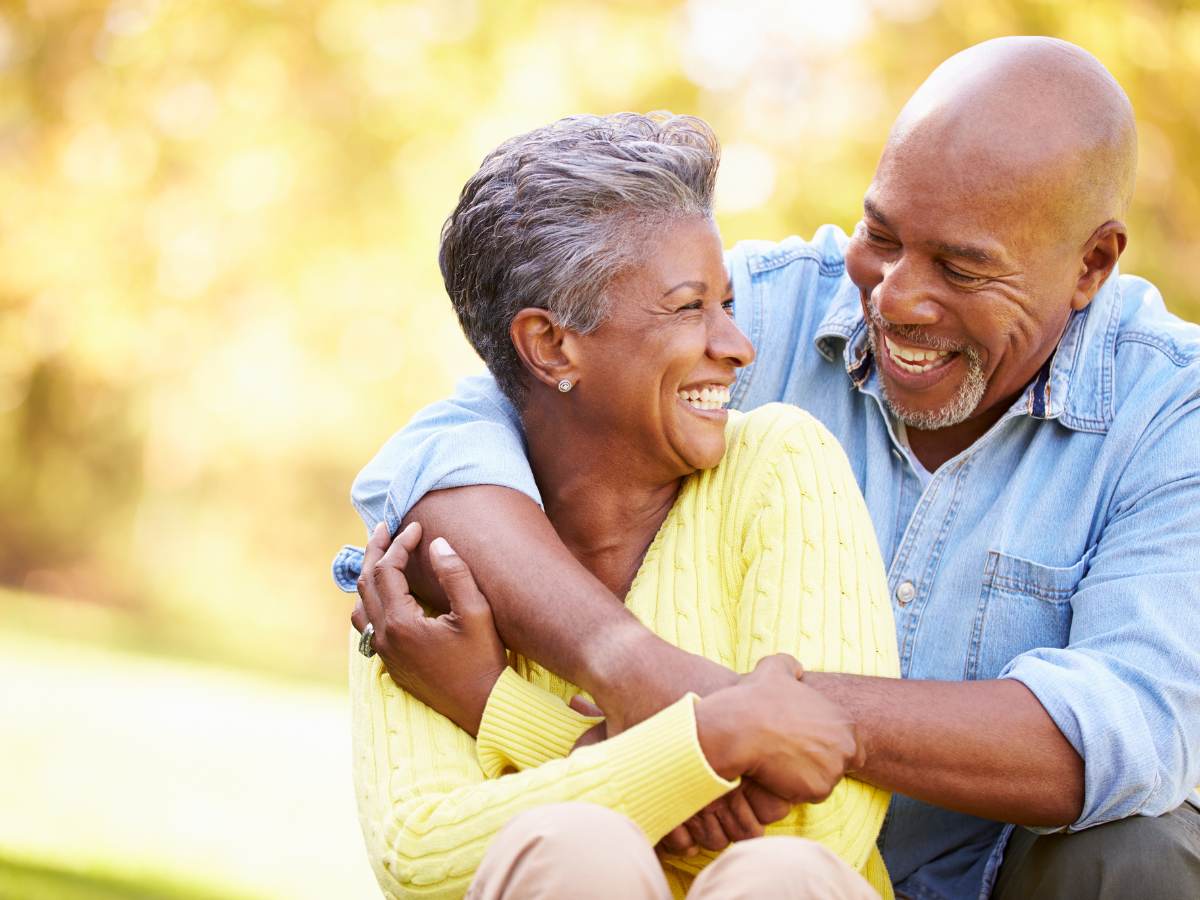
[218, 259]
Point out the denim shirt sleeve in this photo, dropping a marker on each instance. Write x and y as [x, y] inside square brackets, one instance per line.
[1126, 690]
[475, 437]
[783, 295]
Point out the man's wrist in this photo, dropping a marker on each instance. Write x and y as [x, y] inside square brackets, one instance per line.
[620, 660]
[839, 688]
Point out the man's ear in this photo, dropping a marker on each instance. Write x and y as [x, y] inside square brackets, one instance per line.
[1100, 255]
[544, 346]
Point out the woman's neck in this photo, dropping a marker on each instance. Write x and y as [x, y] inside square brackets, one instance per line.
[606, 511]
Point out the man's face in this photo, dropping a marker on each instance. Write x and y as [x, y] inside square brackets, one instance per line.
[964, 293]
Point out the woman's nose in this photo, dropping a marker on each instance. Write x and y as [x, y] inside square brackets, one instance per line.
[727, 342]
[902, 296]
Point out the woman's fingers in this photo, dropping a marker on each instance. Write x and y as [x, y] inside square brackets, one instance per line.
[358, 618]
[382, 586]
[367, 590]
[456, 580]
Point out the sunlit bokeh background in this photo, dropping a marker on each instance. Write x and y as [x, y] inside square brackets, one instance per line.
[219, 295]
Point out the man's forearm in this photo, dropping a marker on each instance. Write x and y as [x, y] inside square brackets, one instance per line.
[987, 748]
[549, 608]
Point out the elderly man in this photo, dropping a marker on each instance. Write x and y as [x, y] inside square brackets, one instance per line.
[1025, 426]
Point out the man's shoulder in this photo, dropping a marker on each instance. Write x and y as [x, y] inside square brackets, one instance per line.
[1156, 355]
[825, 251]
[1145, 321]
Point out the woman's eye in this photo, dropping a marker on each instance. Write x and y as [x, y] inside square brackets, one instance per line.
[695, 304]
[728, 306]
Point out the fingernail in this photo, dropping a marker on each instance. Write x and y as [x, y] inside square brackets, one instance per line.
[409, 527]
[380, 526]
[440, 547]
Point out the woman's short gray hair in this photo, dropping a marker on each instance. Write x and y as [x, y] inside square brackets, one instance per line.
[553, 215]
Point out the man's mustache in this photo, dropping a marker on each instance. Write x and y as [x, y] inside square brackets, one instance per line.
[917, 334]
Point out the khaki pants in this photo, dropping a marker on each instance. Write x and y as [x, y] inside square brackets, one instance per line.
[588, 852]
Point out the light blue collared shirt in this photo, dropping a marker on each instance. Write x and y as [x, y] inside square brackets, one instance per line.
[1062, 549]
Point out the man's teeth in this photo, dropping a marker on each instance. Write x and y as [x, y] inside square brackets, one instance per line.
[713, 397]
[913, 359]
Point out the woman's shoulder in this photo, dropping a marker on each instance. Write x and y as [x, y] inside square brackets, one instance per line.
[774, 431]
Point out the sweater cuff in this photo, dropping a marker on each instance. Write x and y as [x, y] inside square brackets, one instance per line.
[668, 777]
[524, 726]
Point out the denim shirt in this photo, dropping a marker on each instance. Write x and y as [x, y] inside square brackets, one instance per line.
[1061, 549]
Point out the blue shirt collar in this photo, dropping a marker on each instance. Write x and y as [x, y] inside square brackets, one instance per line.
[1075, 385]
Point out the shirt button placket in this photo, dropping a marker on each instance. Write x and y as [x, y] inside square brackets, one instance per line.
[905, 591]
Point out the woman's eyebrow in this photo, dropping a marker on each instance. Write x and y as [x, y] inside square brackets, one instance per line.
[700, 286]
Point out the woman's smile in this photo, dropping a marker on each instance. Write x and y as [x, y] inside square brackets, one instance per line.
[708, 401]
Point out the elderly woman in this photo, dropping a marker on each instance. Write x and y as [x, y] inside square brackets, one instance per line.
[586, 269]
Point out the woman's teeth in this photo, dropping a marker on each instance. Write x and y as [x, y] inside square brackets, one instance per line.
[712, 397]
[914, 359]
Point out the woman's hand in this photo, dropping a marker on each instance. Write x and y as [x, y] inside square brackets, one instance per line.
[779, 731]
[451, 662]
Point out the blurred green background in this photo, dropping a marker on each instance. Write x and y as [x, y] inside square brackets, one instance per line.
[219, 295]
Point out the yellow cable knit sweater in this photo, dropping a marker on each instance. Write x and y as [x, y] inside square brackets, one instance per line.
[772, 550]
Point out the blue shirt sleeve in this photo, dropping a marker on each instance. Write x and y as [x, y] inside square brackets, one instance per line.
[1126, 690]
[475, 437]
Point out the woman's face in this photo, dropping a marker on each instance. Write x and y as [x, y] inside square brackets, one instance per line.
[656, 375]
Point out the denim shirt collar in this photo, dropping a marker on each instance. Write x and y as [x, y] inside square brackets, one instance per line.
[1075, 386]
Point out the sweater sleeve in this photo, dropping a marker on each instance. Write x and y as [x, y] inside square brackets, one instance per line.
[524, 726]
[813, 585]
[428, 812]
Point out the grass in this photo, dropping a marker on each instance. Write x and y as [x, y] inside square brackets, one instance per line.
[32, 880]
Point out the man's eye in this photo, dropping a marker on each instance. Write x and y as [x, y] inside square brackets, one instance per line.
[962, 277]
[876, 238]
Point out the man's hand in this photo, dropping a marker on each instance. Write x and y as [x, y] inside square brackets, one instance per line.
[450, 662]
[779, 731]
[738, 816]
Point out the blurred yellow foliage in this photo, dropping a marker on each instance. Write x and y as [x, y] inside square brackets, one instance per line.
[219, 227]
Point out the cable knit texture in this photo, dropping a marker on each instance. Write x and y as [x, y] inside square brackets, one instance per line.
[772, 550]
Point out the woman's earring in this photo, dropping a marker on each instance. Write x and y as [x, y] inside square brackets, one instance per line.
[565, 385]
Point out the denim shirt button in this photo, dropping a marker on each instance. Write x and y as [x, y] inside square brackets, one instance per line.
[905, 591]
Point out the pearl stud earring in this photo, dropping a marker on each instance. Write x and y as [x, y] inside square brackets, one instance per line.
[565, 385]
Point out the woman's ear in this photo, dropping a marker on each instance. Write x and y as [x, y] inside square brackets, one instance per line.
[545, 347]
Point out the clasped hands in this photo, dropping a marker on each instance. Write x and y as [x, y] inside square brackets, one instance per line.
[788, 742]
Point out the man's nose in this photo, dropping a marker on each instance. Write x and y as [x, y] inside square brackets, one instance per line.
[727, 342]
[904, 295]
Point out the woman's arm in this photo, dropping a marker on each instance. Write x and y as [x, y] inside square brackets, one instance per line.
[428, 812]
[427, 806]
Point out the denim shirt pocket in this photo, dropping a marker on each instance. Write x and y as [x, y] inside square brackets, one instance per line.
[1022, 605]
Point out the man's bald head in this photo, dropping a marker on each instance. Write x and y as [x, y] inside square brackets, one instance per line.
[1032, 122]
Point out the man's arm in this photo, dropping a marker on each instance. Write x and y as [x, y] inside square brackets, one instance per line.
[987, 748]
[549, 608]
